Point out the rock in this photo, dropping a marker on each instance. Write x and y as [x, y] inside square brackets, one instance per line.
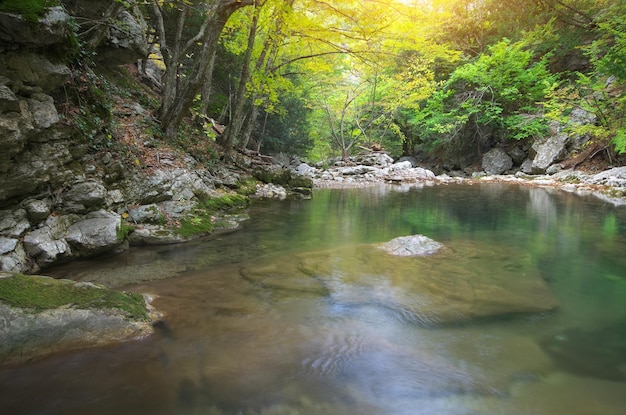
[401, 165]
[34, 70]
[13, 223]
[527, 166]
[37, 210]
[98, 233]
[146, 213]
[607, 362]
[14, 260]
[47, 245]
[414, 245]
[8, 100]
[54, 27]
[549, 151]
[12, 138]
[125, 42]
[271, 191]
[26, 333]
[517, 154]
[496, 161]
[356, 170]
[304, 169]
[373, 159]
[576, 118]
[43, 111]
[463, 282]
[83, 197]
[7, 245]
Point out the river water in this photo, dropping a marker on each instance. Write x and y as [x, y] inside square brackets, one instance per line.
[296, 313]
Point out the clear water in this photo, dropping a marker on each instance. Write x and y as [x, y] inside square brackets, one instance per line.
[250, 329]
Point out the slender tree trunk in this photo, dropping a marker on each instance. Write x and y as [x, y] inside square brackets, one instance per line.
[236, 122]
[179, 92]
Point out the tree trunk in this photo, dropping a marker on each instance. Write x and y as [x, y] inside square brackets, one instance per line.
[179, 93]
[236, 122]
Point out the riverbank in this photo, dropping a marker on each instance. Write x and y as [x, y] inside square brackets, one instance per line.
[608, 185]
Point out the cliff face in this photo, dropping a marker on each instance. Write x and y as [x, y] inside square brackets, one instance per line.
[63, 192]
[38, 145]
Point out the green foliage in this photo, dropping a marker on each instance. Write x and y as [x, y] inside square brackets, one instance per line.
[40, 294]
[31, 10]
[488, 100]
[124, 230]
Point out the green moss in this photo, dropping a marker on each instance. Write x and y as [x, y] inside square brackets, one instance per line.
[31, 10]
[38, 294]
[247, 187]
[201, 221]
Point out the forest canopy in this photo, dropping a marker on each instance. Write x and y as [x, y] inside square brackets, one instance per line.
[441, 78]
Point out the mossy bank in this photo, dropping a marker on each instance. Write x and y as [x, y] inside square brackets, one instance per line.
[41, 315]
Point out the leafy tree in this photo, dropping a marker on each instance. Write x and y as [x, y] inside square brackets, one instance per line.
[488, 100]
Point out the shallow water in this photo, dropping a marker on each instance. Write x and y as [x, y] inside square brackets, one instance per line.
[296, 314]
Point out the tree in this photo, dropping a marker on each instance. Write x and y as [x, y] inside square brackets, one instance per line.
[185, 79]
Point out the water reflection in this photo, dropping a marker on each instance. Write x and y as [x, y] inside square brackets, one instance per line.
[295, 314]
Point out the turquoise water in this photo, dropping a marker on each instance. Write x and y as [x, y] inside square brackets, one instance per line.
[298, 313]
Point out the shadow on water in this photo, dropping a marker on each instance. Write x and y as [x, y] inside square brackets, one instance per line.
[300, 313]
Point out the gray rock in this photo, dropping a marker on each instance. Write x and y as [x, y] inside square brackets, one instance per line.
[304, 169]
[8, 100]
[401, 165]
[34, 70]
[414, 245]
[496, 161]
[549, 151]
[7, 245]
[15, 260]
[53, 27]
[12, 139]
[37, 210]
[356, 170]
[96, 234]
[527, 166]
[13, 223]
[43, 111]
[517, 154]
[373, 159]
[125, 41]
[271, 191]
[47, 245]
[83, 197]
[146, 213]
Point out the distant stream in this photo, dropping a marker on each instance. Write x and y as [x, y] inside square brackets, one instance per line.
[298, 313]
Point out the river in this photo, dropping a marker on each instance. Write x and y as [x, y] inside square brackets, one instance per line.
[296, 313]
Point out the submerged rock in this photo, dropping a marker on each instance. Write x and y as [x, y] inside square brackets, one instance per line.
[414, 245]
[465, 281]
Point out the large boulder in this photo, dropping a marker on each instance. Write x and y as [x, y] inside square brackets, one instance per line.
[496, 161]
[97, 233]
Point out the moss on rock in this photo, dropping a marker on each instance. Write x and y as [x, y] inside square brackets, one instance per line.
[44, 293]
